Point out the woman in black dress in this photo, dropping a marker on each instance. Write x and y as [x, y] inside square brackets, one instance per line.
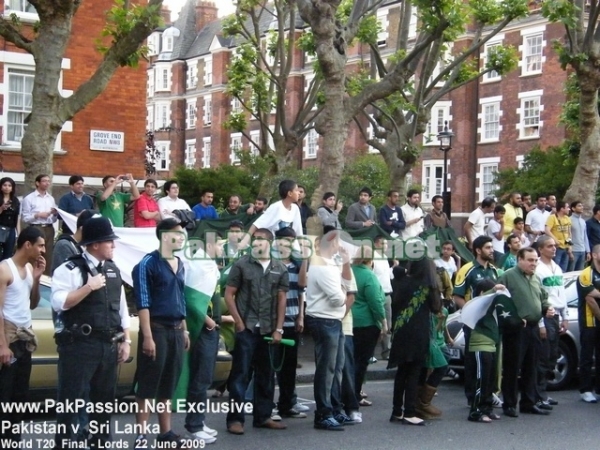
[416, 295]
[10, 208]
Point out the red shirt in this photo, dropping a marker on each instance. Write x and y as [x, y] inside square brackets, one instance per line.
[144, 203]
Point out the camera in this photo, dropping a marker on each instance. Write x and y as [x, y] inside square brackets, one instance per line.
[568, 242]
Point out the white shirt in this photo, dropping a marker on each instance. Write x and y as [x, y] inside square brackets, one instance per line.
[169, 204]
[551, 278]
[492, 229]
[449, 266]
[277, 216]
[38, 203]
[325, 291]
[65, 281]
[536, 219]
[17, 297]
[477, 219]
[382, 271]
[411, 213]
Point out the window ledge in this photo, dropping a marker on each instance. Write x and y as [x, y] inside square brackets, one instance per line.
[530, 74]
[25, 17]
[491, 80]
[17, 149]
[527, 138]
[310, 157]
[490, 141]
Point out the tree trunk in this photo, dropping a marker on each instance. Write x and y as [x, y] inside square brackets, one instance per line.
[585, 180]
[44, 124]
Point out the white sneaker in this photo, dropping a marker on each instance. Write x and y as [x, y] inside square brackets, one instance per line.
[275, 415]
[300, 407]
[209, 430]
[356, 416]
[203, 437]
[588, 397]
[496, 401]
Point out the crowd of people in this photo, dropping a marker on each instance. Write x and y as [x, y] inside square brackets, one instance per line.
[264, 284]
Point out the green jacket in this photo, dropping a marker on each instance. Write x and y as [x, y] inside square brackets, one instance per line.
[367, 309]
[527, 293]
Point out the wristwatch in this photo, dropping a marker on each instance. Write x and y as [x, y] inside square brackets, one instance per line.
[279, 330]
[128, 341]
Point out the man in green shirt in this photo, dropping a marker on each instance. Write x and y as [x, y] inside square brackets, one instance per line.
[111, 203]
[521, 343]
[235, 207]
[510, 259]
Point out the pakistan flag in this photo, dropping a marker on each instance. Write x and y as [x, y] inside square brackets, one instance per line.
[201, 277]
[507, 312]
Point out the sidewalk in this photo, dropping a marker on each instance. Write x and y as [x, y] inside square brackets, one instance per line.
[306, 357]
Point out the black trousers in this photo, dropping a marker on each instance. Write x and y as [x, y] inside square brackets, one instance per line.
[520, 355]
[286, 377]
[485, 383]
[406, 384]
[590, 345]
[548, 354]
[470, 367]
[365, 341]
[86, 363]
[14, 386]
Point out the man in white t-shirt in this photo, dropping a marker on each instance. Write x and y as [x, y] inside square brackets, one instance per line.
[535, 222]
[282, 214]
[495, 230]
[475, 225]
[413, 215]
[171, 201]
[551, 278]
[447, 261]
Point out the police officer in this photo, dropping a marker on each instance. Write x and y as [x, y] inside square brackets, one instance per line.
[87, 290]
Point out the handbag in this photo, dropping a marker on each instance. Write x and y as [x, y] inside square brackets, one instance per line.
[4, 233]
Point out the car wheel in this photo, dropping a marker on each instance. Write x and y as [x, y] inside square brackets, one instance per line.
[565, 368]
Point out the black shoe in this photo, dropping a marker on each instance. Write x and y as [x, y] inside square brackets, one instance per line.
[329, 424]
[544, 405]
[511, 412]
[551, 401]
[343, 419]
[535, 410]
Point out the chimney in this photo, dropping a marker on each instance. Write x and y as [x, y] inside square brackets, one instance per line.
[206, 12]
[165, 13]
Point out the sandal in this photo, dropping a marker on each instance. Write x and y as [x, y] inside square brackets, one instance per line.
[482, 419]
[217, 394]
[363, 394]
[365, 402]
[494, 416]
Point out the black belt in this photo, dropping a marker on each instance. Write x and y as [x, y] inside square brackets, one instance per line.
[171, 326]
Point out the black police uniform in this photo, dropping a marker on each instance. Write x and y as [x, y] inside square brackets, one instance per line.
[88, 352]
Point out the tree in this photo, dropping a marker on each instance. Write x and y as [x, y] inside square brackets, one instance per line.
[258, 78]
[543, 172]
[128, 25]
[397, 120]
[580, 50]
[335, 24]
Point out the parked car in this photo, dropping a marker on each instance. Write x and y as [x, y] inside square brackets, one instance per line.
[44, 377]
[568, 346]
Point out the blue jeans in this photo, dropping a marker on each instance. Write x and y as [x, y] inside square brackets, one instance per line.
[578, 262]
[251, 351]
[329, 361]
[343, 396]
[562, 259]
[202, 364]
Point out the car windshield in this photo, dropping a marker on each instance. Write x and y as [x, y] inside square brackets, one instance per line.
[44, 309]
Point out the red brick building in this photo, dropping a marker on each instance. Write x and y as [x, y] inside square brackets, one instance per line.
[118, 111]
[496, 120]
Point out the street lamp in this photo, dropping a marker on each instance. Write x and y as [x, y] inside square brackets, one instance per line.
[445, 138]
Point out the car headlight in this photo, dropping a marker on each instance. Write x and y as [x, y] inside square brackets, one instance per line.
[222, 347]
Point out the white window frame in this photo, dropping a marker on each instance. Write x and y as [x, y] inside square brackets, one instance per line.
[432, 184]
[164, 155]
[190, 153]
[235, 146]
[153, 44]
[430, 136]
[150, 117]
[255, 138]
[492, 76]
[190, 114]
[382, 19]
[530, 126]
[162, 78]
[150, 83]
[208, 71]
[532, 63]
[191, 79]
[22, 9]
[22, 110]
[167, 44]
[236, 105]
[206, 149]
[310, 144]
[412, 25]
[520, 161]
[207, 110]
[441, 65]
[162, 115]
[483, 116]
[485, 165]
